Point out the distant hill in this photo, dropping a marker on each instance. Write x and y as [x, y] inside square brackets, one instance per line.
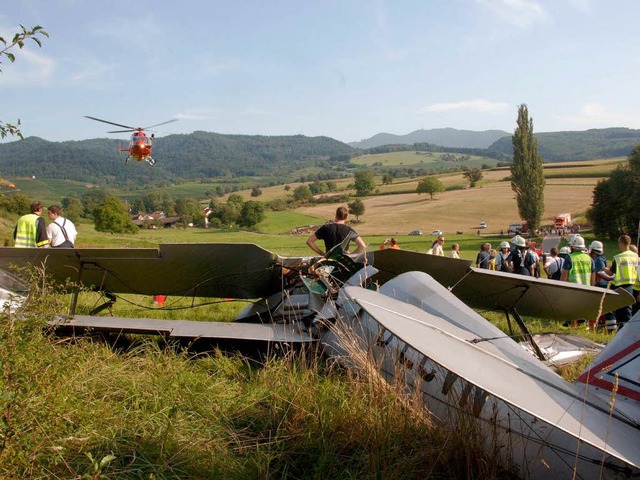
[445, 137]
[193, 156]
[582, 145]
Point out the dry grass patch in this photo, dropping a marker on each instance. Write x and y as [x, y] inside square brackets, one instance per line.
[458, 210]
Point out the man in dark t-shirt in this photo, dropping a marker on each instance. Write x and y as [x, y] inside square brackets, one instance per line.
[335, 233]
[483, 258]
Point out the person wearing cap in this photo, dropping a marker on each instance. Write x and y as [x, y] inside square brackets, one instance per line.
[519, 259]
[624, 269]
[578, 266]
[596, 251]
[553, 265]
[501, 257]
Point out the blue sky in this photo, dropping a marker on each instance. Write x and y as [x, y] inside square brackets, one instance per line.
[347, 69]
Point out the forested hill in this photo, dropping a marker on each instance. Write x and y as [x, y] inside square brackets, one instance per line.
[444, 137]
[584, 145]
[197, 155]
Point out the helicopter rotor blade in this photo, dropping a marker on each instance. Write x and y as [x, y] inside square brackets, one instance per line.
[123, 131]
[111, 123]
[163, 123]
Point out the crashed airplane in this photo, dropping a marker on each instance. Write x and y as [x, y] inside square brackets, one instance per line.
[413, 313]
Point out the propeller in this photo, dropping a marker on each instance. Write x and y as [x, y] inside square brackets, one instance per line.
[129, 129]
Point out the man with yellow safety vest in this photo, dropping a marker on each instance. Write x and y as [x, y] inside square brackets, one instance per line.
[578, 266]
[30, 231]
[625, 274]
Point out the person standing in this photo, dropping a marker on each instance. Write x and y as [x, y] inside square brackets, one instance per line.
[62, 232]
[578, 266]
[335, 233]
[436, 247]
[519, 260]
[553, 265]
[535, 258]
[596, 252]
[503, 254]
[455, 251]
[483, 258]
[391, 243]
[30, 231]
[625, 274]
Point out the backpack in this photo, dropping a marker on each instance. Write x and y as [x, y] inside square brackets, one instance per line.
[67, 243]
[556, 275]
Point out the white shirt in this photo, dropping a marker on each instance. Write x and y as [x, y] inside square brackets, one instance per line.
[454, 254]
[554, 264]
[54, 232]
[437, 250]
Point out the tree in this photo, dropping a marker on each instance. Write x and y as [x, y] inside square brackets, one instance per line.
[18, 40]
[252, 214]
[387, 179]
[527, 177]
[614, 208]
[474, 175]
[302, 193]
[356, 208]
[364, 182]
[73, 208]
[256, 191]
[112, 216]
[430, 185]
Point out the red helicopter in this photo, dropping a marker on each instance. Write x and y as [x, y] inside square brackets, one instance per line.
[140, 144]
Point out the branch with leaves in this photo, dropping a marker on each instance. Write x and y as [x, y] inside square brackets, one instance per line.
[18, 40]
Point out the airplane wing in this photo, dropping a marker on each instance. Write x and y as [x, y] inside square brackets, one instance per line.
[447, 271]
[493, 290]
[197, 269]
[548, 421]
[537, 297]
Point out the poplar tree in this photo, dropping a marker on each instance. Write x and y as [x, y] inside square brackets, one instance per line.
[527, 177]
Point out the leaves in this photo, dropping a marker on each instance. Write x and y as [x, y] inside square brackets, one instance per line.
[18, 39]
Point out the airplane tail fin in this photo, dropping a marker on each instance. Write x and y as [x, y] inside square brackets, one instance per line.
[617, 367]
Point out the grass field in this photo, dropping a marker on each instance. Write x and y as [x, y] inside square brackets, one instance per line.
[81, 408]
[428, 160]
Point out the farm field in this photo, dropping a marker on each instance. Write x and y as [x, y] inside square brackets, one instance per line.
[458, 210]
[419, 159]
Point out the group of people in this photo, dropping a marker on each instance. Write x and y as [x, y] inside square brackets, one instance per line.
[31, 231]
[574, 264]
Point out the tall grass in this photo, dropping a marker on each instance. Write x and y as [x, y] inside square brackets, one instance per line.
[74, 408]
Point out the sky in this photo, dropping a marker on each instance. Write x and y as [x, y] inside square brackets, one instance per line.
[346, 69]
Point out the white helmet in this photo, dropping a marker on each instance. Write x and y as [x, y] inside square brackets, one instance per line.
[596, 246]
[518, 241]
[577, 242]
[564, 251]
[504, 244]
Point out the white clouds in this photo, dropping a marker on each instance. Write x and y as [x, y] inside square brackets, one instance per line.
[597, 115]
[520, 13]
[30, 69]
[95, 71]
[477, 105]
[196, 114]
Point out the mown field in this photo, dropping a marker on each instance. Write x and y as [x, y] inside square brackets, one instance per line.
[430, 160]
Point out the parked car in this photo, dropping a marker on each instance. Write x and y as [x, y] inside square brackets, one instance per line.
[483, 224]
[415, 232]
[436, 232]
